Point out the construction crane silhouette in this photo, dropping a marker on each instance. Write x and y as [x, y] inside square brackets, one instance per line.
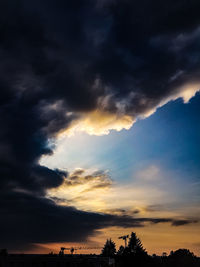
[73, 249]
[124, 237]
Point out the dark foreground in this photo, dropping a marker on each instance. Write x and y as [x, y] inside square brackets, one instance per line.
[25, 260]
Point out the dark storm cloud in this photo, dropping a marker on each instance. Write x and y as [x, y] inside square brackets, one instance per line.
[61, 58]
[26, 219]
[183, 222]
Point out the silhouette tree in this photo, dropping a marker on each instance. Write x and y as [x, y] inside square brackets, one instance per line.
[109, 249]
[3, 252]
[182, 253]
[121, 250]
[135, 246]
[183, 258]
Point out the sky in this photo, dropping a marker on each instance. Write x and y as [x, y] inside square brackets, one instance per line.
[99, 124]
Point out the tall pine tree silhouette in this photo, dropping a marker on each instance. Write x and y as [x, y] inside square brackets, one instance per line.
[135, 246]
[109, 249]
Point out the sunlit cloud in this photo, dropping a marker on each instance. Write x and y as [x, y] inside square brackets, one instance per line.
[101, 122]
[147, 195]
[83, 190]
[186, 92]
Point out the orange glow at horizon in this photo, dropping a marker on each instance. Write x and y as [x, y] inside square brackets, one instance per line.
[156, 239]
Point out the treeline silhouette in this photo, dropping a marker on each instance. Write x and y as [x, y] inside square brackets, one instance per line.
[132, 254]
[135, 255]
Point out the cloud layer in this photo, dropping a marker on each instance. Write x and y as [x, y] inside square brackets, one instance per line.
[64, 62]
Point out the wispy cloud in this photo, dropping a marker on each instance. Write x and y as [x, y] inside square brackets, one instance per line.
[150, 174]
[136, 199]
[95, 180]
